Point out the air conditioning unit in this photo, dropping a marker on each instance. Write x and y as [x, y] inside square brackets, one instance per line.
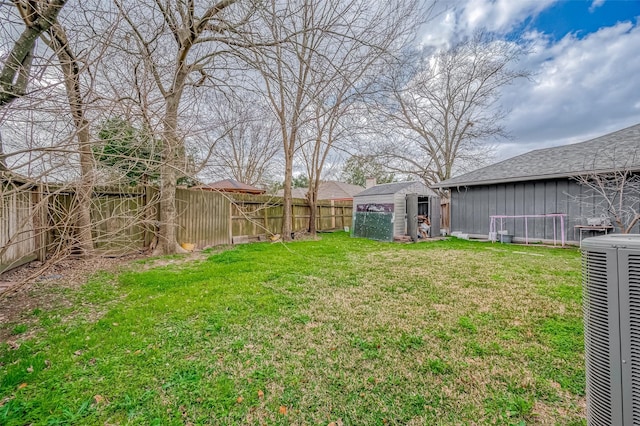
[611, 308]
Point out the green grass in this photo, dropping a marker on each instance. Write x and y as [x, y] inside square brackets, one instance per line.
[313, 332]
[19, 329]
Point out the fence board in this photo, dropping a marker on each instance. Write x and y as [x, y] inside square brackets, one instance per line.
[203, 217]
[17, 231]
[118, 222]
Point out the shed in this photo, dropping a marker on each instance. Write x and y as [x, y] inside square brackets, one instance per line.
[536, 192]
[390, 210]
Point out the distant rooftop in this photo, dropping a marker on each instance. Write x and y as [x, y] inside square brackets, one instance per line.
[328, 190]
[231, 185]
[614, 151]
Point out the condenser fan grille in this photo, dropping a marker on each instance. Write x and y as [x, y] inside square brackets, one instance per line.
[611, 308]
[633, 265]
[596, 335]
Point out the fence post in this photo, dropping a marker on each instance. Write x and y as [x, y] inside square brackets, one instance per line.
[146, 219]
[39, 222]
[232, 205]
[266, 221]
[333, 214]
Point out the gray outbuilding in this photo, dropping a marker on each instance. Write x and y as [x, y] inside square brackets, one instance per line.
[390, 210]
[537, 192]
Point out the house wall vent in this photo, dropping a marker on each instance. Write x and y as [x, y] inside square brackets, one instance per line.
[611, 309]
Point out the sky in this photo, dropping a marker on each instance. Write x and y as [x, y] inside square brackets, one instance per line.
[584, 57]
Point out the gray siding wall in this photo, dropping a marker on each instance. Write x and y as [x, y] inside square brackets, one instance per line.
[472, 206]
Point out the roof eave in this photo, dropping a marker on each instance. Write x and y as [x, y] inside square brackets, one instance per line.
[441, 185]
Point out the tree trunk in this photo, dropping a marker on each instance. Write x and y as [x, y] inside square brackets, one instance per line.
[287, 225]
[71, 72]
[167, 238]
[84, 191]
[172, 149]
[312, 200]
[3, 164]
[313, 205]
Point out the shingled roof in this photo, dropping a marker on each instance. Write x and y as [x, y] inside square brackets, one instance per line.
[328, 190]
[392, 188]
[231, 185]
[614, 151]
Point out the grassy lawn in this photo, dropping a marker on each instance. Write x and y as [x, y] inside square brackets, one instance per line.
[338, 331]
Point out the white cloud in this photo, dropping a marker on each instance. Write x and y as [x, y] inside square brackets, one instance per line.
[583, 88]
[500, 16]
[457, 19]
[596, 4]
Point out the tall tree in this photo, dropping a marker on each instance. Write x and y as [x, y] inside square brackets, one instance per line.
[38, 17]
[346, 72]
[55, 37]
[311, 79]
[445, 107]
[284, 71]
[178, 42]
[58, 41]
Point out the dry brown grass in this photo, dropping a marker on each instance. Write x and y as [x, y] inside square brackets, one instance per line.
[453, 333]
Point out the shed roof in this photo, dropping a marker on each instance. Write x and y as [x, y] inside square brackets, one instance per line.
[614, 151]
[392, 188]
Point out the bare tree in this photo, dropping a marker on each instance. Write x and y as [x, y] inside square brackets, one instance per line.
[616, 194]
[248, 139]
[55, 37]
[71, 69]
[178, 43]
[285, 72]
[38, 17]
[346, 71]
[445, 107]
[312, 78]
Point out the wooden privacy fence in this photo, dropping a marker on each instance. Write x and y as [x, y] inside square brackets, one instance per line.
[22, 236]
[36, 220]
[256, 215]
[203, 218]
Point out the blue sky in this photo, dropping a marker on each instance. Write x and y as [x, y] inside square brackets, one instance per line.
[581, 17]
[585, 60]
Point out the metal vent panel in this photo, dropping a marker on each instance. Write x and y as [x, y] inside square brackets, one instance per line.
[630, 272]
[597, 334]
[611, 285]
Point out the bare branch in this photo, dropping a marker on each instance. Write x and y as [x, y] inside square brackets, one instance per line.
[15, 72]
